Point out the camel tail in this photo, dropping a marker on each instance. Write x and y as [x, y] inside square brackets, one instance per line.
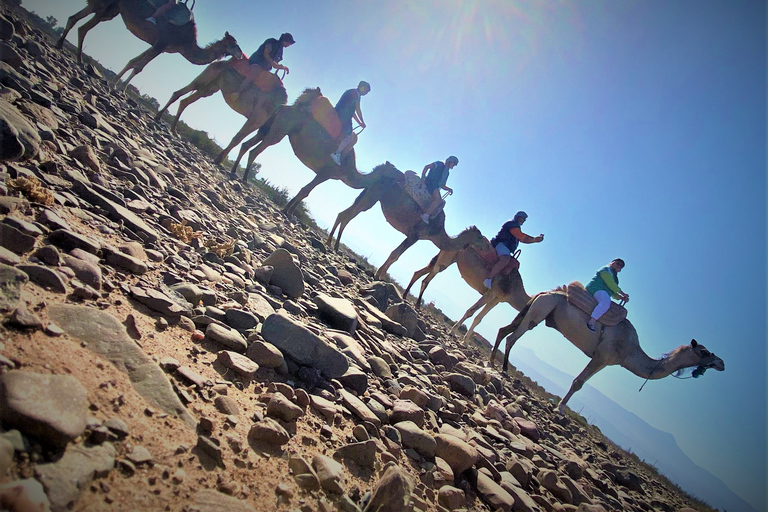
[509, 329]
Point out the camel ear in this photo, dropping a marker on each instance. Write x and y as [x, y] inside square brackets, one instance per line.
[694, 343]
[226, 34]
[388, 162]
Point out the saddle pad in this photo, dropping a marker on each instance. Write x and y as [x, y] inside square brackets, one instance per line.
[581, 298]
[326, 116]
[415, 188]
[265, 81]
[490, 257]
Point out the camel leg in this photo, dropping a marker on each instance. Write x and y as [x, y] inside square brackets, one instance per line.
[526, 320]
[251, 124]
[85, 28]
[594, 366]
[471, 311]
[479, 318]
[363, 202]
[417, 275]
[205, 78]
[71, 22]
[245, 146]
[136, 65]
[303, 193]
[183, 104]
[399, 250]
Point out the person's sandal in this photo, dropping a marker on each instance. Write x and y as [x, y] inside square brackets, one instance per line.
[590, 327]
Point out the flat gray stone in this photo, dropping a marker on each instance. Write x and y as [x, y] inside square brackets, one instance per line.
[21, 140]
[68, 477]
[86, 271]
[241, 319]
[239, 363]
[44, 277]
[14, 240]
[226, 337]
[52, 408]
[392, 492]
[106, 336]
[209, 500]
[265, 354]
[339, 313]
[68, 240]
[303, 346]
[127, 262]
[11, 281]
[416, 438]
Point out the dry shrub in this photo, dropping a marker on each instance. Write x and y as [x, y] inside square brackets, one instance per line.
[183, 232]
[220, 249]
[32, 189]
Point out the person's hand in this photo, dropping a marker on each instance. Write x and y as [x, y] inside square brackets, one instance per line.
[540, 238]
[450, 191]
[625, 297]
[362, 124]
[284, 68]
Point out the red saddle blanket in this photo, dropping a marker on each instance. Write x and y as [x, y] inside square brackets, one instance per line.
[490, 258]
[326, 116]
[265, 81]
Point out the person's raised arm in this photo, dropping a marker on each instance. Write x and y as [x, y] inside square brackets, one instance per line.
[526, 239]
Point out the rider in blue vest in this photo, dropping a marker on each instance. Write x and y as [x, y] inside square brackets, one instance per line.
[348, 108]
[506, 242]
[436, 177]
[268, 56]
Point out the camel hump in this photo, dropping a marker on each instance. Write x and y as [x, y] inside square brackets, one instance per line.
[582, 299]
[415, 188]
[326, 116]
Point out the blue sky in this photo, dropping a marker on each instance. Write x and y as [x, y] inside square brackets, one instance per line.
[633, 129]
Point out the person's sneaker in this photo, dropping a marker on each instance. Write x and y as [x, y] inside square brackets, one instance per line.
[152, 20]
[336, 158]
[488, 282]
[425, 218]
[590, 327]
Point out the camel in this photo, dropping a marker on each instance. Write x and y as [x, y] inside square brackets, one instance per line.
[163, 36]
[403, 214]
[505, 288]
[257, 106]
[611, 345]
[312, 145]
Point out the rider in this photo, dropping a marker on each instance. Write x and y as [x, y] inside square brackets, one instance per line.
[161, 10]
[268, 56]
[348, 108]
[436, 177]
[506, 242]
[602, 287]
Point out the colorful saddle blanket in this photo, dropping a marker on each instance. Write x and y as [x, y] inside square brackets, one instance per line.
[582, 299]
[326, 116]
[415, 188]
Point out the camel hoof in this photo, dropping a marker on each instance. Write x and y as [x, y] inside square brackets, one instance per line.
[59, 44]
[233, 176]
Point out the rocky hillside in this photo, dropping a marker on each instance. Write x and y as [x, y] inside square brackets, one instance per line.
[171, 342]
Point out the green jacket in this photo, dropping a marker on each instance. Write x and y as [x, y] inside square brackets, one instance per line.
[605, 279]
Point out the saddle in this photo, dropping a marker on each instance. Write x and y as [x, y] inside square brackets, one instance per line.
[179, 15]
[490, 257]
[265, 81]
[326, 116]
[414, 187]
[582, 299]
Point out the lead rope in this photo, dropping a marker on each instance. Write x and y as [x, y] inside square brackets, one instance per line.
[650, 375]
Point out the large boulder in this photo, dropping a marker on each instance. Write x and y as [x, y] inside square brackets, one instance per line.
[392, 493]
[339, 313]
[303, 346]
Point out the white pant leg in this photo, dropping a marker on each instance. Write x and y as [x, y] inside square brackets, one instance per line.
[603, 303]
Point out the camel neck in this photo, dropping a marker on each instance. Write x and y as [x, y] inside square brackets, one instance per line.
[200, 56]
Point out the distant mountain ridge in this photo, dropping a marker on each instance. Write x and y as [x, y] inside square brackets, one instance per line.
[631, 432]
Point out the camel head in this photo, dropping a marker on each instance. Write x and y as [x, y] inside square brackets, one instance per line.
[476, 238]
[708, 359]
[696, 355]
[230, 47]
[307, 96]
